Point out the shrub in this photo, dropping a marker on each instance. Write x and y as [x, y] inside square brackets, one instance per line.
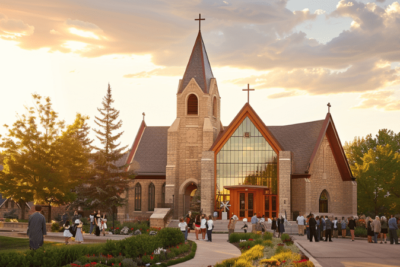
[285, 237]
[267, 236]
[186, 258]
[360, 232]
[55, 227]
[241, 262]
[227, 263]
[267, 243]
[170, 237]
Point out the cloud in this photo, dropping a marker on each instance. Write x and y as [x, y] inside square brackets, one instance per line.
[170, 71]
[361, 77]
[319, 12]
[12, 28]
[384, 99]
[380, 1]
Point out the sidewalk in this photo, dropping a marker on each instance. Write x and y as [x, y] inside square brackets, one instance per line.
[344, 252]
[210, 253]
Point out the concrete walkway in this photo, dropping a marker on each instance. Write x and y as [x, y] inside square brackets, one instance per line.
[210, 253]
[344, 252]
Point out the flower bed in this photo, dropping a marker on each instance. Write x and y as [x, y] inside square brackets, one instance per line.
[137, 250]
[274, 253]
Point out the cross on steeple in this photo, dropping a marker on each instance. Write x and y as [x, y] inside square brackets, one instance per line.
[144, 114]
[248, 92]
[200, 19]
[329, 107]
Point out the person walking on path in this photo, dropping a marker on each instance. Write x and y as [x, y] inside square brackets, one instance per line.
[335, 223]
[343, 225]
[323, 226]
[328, 231]
[281, 226]
[370, 231]
[104, 224]
[312, 226]
[231, 226]
[300, 224]
[36, 229]
[203, 226]
[308, 226]
[318, 228]
[91, 220]
[67, 233]
[97, 221]
[254, 223]
[210, 226]
[188, 219]
[183, 227]
[352, 226]
[393, 230]
[376, 227]
[78, 233]
[274, 226]
[197, 223]
[384, 228]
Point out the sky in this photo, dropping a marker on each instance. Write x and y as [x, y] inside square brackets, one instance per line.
[298, 55]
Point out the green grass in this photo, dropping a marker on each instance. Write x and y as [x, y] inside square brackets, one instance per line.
[12, 244]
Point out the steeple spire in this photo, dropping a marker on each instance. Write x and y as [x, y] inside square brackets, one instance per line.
[198, 66]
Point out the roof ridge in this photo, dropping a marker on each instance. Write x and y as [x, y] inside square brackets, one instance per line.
[295, 123]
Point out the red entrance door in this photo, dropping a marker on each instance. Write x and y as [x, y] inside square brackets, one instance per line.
[246, 205]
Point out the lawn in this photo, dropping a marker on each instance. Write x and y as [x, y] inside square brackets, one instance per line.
[12, 244]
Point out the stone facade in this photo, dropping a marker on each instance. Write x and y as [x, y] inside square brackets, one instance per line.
[284, 183]
[188, 138]
[325, 175]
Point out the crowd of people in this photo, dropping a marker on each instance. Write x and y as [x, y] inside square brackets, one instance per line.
[203, 225]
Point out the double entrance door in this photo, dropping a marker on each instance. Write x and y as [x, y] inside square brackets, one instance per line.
[251, 202]
[246, 204]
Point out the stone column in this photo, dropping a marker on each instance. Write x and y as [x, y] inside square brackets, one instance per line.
[207, 182]
[284, 183]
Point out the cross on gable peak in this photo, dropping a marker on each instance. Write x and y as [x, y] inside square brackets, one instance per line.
[200, 19]
[248, 92]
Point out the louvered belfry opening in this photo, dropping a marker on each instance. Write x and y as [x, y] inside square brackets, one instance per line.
[215, 107]
[192, 105]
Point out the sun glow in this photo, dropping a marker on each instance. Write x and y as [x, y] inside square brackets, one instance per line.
[82, 33]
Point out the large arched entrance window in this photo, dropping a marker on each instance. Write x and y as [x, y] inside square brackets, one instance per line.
[192, 105]
[323, 202]
[138, 197]
[152, 197]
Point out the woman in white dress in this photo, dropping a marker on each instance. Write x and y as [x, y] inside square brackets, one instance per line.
[104, 224]
[67, 231]
[98, 224]
[78, 235]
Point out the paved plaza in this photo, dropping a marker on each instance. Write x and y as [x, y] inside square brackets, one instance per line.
[344, 252]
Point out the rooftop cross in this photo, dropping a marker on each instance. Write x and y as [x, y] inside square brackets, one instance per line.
[329, 107]
[200, 19]
[144, 114]
[248, 92]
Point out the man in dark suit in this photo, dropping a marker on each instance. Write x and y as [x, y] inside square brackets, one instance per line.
[312, 225]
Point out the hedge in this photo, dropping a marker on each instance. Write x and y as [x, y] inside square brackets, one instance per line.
[131, 247]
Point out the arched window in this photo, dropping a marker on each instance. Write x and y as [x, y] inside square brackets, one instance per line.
[138, 197]
[192, 105]
[152, 197]
[215, 107]
[163, 194]
[323, 202]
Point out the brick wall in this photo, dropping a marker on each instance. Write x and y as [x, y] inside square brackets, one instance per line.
[285, 171]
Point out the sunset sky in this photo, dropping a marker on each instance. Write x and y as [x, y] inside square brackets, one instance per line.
[298, 55]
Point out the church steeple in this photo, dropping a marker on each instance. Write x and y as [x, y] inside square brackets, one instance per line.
[198, 67]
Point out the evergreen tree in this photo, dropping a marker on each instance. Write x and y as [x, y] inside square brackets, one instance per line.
[103, 191]
[43, 160]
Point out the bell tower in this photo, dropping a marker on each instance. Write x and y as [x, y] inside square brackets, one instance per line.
[194, 129]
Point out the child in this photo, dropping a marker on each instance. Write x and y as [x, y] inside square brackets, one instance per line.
[245, 227]
[67, 232]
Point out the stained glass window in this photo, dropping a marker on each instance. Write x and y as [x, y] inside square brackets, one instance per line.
[323, 202]
[138, 197]
[246, 159]
[152, 197]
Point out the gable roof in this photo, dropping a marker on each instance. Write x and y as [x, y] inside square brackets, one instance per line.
[328, 128]
[150, 156]
[198, 67]
[300, 139]
[246, 111]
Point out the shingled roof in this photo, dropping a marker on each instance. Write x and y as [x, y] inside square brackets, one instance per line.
[299, 139]
[198, 67]
[150, 157]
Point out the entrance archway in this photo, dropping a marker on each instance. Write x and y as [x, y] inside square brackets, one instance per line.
[190, 190]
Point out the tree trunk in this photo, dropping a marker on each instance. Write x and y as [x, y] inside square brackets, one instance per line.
[22, 206]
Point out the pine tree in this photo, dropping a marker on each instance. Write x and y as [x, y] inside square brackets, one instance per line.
[103, 191]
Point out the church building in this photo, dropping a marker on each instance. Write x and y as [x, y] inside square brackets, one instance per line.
[267, 170]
